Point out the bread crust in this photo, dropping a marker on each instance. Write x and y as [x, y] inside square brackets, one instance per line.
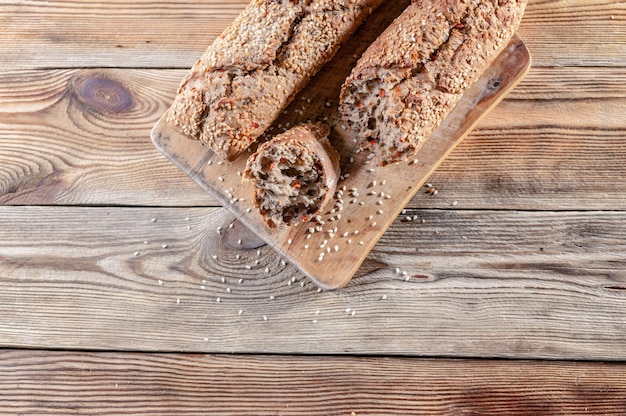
[412, 76]
[253, 70]
[304, 142]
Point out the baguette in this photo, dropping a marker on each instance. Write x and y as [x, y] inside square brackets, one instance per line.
[412, 76]
[295, 175]
[244, 80]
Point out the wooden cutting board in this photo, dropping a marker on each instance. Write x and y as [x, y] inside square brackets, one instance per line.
[373, 196]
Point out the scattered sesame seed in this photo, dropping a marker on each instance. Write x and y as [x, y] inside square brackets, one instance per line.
[314, 321]
[384, 297]
[231, 225]
[218, 300]
[374, 224]
[178, 301]
[160, 281]
[228, 290]
[153, 220]
[265, 318]
[239, 241]
[219, 162]
[267, 270]
[240, 311]
[248, 267]
[136, 253]
[272, 297]
[164, 246]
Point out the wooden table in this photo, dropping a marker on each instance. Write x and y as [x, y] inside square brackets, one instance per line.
[505, 293]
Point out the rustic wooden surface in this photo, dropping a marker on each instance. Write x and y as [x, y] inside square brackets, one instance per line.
[519, 256]
[46, 383]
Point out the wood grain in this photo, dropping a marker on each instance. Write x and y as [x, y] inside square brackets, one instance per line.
[555, 143]
[145, 34]
[46, 383]
[480, 284]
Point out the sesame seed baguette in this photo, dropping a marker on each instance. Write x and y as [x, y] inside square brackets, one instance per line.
[253, 70]
[413, 75]
[295, 175]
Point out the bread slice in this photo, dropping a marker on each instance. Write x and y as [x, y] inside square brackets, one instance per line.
[295, 175]
[412, 76]
[255, 68]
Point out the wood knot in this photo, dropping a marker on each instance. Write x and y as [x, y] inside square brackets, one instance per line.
[101, 93]
[238, 236]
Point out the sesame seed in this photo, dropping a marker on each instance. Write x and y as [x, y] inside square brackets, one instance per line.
[228, 290]
[178, 301]
[240, 311]
[153, 220]
[314, 321]
[272, 297]
[265, 318]
[384, 297]
[160, 281]
[218, 300]
[164, 246]
[136, 253]
[239, 241]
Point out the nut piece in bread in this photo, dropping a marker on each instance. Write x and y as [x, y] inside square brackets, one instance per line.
[254, 69]
[295, 175]
[413, 75]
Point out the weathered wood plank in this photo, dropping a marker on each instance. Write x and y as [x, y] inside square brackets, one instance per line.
[82, 137]
[140, 34]
[468, 283]
[46, 383]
